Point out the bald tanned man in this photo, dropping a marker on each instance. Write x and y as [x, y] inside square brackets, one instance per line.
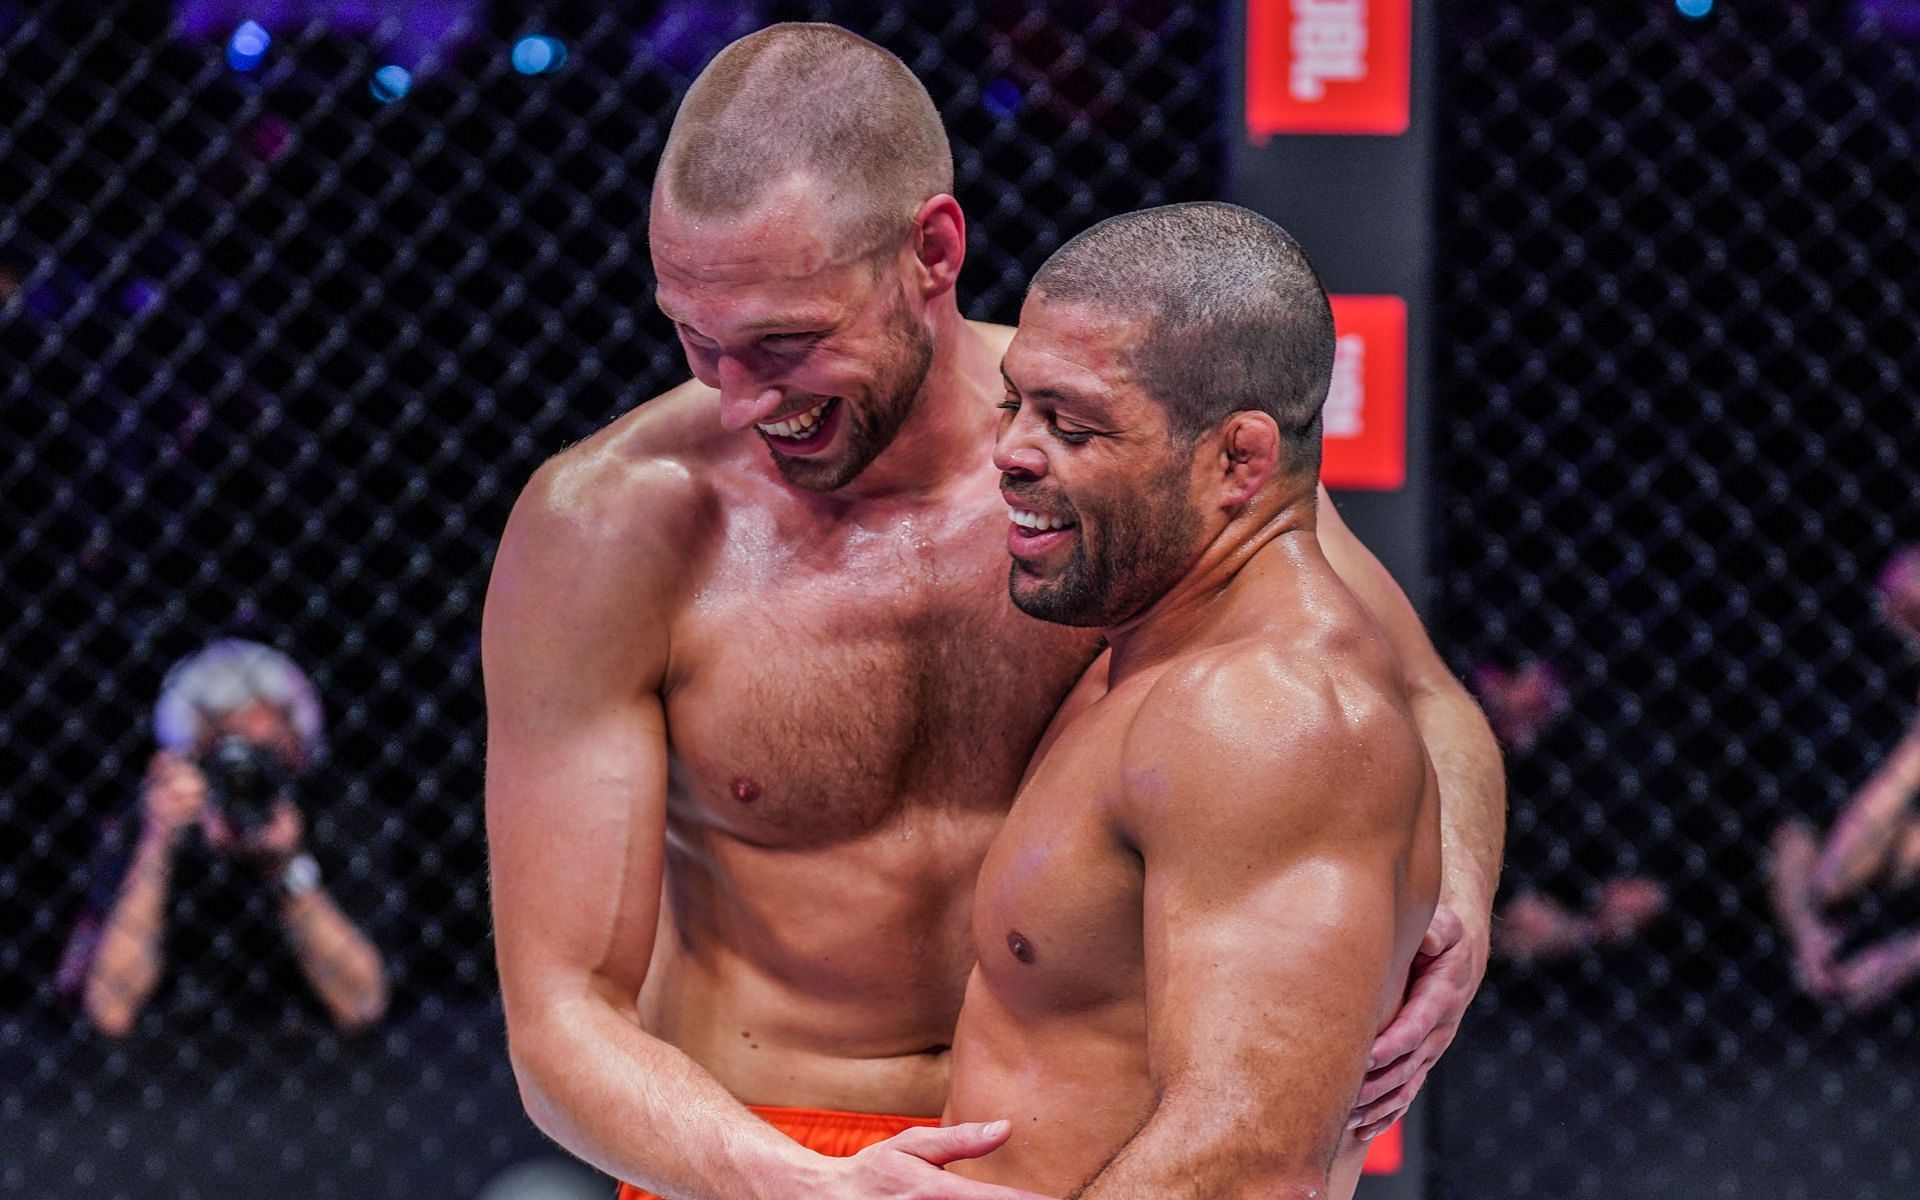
[1226, 850]
[757, 697]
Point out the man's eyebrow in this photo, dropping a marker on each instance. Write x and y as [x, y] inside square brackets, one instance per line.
[791, 320]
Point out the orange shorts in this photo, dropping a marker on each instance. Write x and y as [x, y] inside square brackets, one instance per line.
[835, 1134]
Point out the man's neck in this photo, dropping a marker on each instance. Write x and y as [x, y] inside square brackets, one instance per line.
[948, 435]
[1280, 527]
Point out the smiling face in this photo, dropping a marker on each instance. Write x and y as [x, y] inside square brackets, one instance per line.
[823, 353]
[1104, 512]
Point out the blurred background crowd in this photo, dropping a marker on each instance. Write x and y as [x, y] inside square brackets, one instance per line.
[294, 296]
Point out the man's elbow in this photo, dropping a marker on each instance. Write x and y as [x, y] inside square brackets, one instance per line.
[1455, 726]
[1430, 681]
[363, 1014]
[111, 1016]
[527, 1056]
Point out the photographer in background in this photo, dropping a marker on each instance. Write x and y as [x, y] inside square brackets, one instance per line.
[216, 907]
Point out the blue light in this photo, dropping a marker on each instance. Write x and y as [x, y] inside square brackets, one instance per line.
[1694, 8]
[391, 82]
[248, 46]
[1002, 98]
[537, 54]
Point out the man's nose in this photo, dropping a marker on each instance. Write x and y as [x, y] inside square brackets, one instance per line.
[744, 397]
[1014, 454]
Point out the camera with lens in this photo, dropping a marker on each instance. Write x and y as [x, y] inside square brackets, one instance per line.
[244, 779]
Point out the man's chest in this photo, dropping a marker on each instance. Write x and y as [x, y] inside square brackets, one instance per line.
[812, 704]
[1057, 914]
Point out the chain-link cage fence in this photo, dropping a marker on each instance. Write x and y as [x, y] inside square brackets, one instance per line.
[1678, 345]
[291, 310]
[285, 330]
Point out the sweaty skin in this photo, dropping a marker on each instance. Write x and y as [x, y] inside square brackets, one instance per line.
[1258, 1004]
[1223, 857]
[748, 742]
[851, 701]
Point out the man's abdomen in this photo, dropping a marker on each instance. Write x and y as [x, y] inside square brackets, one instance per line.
[823, 978]
[1074, 1084]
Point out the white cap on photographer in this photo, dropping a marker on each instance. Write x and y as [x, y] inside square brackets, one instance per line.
[225, 677]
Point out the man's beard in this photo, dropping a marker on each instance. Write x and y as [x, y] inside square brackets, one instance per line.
[1146, 544]
[873, 422]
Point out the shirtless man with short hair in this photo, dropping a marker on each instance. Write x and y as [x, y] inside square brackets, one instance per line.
[757, 698]
[1224, 854]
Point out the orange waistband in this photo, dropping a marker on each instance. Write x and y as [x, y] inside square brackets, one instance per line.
[796, 1122]
[822, 1130]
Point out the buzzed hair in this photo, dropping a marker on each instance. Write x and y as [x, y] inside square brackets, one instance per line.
[1235, 318]
[814, 100]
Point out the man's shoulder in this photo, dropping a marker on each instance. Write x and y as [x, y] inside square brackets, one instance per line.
[608, 535]
[643, 476]
[1250, 682]
[1258, 721]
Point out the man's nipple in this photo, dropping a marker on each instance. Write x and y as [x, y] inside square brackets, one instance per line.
[1019, 946]
[745, 790]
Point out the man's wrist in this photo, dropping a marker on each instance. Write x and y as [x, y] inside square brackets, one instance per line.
[158, 842]
[803, 1173]
[1470, 895]
[1474, 909]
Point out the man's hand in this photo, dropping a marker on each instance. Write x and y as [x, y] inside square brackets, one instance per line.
[1816, 944]
[1446, 974]
[172, 798]
[907, 1166]
[272, 845]
[1875, 975]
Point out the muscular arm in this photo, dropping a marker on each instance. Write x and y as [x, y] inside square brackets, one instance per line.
[1473, 819]
[1282, 905]
[1466, 758]
[574, 649]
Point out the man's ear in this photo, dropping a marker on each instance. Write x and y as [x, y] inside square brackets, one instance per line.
[1249, 456]
[939, 244]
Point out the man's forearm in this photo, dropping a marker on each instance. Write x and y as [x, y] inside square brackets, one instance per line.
[1194, 1150]
[339, 961]
[641, 1110]
[1473, 796]
[1865, 834]
[127, 962]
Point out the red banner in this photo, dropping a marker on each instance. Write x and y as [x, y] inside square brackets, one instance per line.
[1364, 425]
[1328, 66]
[1386, 1154]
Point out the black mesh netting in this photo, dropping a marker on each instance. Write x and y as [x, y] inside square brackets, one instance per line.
[1678, 351]
[279, 352]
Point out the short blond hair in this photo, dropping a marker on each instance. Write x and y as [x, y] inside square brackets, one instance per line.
[812, 100]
